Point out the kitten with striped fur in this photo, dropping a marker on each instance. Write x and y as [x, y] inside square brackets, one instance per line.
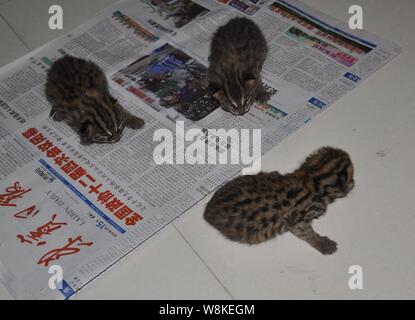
[237, 53]
[254, 208]
[78, 92]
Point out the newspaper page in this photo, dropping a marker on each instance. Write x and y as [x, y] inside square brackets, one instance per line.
[82, 208]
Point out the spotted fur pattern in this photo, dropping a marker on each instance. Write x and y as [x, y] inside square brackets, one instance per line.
[237, 53]
[254, 208]
[78, 92]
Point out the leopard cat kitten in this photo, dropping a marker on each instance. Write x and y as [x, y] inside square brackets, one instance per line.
[237, 53]
[78, 92]
[254, 208]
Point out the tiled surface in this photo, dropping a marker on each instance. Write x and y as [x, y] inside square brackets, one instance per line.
[30, 18]
[4, 295]
[373, 226]
[11, 47]
[163, 268]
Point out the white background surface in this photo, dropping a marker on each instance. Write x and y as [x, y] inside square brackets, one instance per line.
[374, 227]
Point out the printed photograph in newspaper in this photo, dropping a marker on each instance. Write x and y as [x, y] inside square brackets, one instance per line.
[169, 78]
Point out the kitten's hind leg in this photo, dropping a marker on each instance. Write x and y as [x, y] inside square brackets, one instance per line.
[85, 138]
[132, 121]
[306, 232]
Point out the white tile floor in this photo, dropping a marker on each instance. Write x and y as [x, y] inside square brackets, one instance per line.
[374, 226]
[11, 46]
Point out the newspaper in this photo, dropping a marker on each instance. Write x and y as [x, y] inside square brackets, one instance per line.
[85, 207]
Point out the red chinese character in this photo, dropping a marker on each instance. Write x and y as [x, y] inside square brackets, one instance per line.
[90, 178]
[45, 229]
[45, 146]
[53, 152]
[22, 239]
[123, 212]
[29, 133]
[27, 212]
[133, 219]
[68, 249]
[61, 159]
[95, 189]
[13, 192]
[105, 196]
[77, 173]
[114, 204]
[37, 139]
[70, 166]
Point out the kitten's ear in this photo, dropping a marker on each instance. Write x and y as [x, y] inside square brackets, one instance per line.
[250, 84]
[219, 95]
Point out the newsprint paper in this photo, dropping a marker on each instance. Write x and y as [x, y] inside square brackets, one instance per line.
[82, 208]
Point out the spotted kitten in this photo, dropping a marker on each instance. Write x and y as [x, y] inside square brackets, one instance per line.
[78, 92]
[237, 53]
[254, 208]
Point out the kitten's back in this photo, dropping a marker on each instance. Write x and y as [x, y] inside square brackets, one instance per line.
[71, 77]
[243, 210]
[240, 40]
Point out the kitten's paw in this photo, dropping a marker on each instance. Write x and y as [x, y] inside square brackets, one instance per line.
[135, 123]
[85, 141]
[327, 246]
[263, 97]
